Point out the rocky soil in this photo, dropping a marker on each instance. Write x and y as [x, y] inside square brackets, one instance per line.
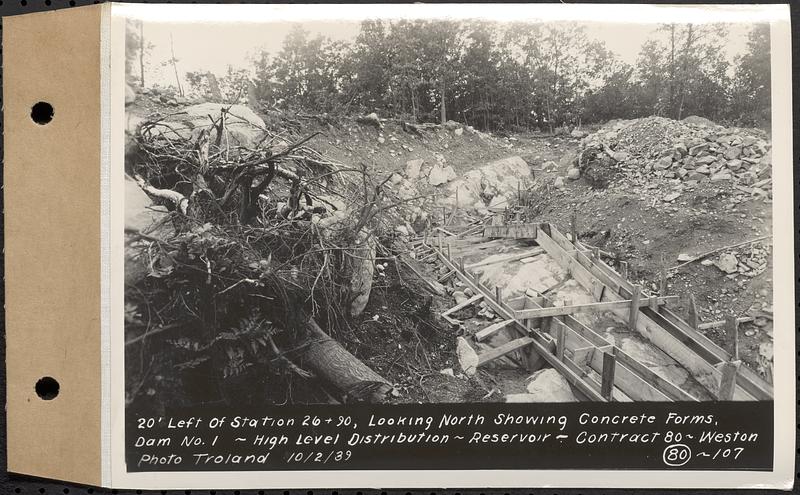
[651, 192]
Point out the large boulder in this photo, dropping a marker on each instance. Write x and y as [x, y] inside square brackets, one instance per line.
[362, 269]
[479, 186]
[242, 126]
[546, 385]
[440, 175]
[413, 168]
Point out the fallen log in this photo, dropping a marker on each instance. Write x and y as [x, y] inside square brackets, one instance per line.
[333, 364]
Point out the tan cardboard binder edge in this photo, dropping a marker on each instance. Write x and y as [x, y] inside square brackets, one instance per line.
[52, 242]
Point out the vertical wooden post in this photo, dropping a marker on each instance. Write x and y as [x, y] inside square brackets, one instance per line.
[526, 322]
[623, 266]
[607, 383]
[732, 336]
[574, 226]
[663, 287]
[461, 265]
[694, 316]
[544, 323]
[444, 215]
[727, 384]
[634, 313]
[561, 341]
[652, 302]
[498, 294]
[439, 241]
[448, 250]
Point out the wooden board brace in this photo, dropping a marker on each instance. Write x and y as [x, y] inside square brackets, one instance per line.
[489, 331]
[458, 307]
[588, 307]
[505, 259]
[504, 349]
[723, 323]
[514, 231]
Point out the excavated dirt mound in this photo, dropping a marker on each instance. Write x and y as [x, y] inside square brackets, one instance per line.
[681, 190]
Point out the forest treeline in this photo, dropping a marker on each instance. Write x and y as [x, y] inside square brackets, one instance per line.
[509, 77]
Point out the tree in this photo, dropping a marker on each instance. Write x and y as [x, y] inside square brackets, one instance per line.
[136, 51]
[751, 97]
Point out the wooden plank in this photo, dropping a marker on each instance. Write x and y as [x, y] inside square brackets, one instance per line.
[432, 285]
[722, 323]
[586, 308]
[748, 379]
[609, 369]
[513, 231]
[500, 351]
[489, 331]
[504, 259]
[458, 307]
[470, 250]
[583, 355]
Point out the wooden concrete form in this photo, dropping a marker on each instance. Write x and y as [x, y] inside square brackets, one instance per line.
[597, 369]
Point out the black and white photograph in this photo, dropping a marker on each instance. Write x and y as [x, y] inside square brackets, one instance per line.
[447, 211]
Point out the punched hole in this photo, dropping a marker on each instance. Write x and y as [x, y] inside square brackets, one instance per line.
[47, 388]
[42, 113]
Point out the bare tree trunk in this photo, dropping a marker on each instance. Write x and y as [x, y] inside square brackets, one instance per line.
[443, 108]
[175, 65]
[671, 70]
[141, 52]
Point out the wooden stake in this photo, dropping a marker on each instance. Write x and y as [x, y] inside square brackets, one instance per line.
[439, 241]
[663, 287]
[544, 323]
[448, 250]
[623, 266]
[634, 313]
[609, 368]
[574, 226]
[732, 334]
[694, 316]
[727, 384]
[461, 265]
[498, 294]
[561, 341]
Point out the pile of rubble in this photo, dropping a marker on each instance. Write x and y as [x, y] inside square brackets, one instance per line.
[690, 151]
[749, 260]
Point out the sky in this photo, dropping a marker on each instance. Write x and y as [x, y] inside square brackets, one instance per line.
[206, 46]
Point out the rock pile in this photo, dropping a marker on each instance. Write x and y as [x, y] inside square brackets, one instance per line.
[689, 151]
[749, 261]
